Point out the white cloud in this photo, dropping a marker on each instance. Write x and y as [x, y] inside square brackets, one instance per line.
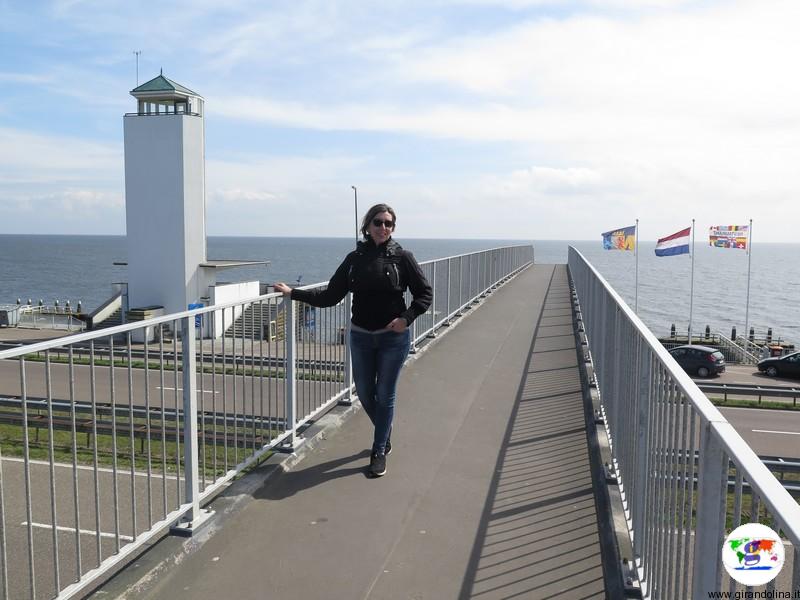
[635, 5]
[59, 184]
[664, 112]
[672, 79]
[277, 172]
[68, 202]
[26, 78]
[283, 195]
[661, 109]
[35, 157]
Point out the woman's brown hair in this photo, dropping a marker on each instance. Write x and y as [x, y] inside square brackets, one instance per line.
[371, 213]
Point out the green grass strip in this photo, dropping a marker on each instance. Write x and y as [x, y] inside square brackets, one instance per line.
[219, 370]
[767, 404]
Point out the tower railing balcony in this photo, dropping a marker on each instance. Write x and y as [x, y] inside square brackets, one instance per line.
[162, 114]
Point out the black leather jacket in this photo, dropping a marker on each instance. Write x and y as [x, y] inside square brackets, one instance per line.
[377, 276]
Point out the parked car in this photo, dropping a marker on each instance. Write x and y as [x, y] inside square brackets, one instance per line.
[699, 360]
[785, 366]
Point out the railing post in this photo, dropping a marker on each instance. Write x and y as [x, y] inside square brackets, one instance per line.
[348, 363]
[449, 285]
[712, 485]
[460, 284]
[636, 493]
[292, 441]
[484, 274]
[470, 272]
[195, 516]
[433, 303]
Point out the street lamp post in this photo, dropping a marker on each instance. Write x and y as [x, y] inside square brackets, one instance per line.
[355, 202]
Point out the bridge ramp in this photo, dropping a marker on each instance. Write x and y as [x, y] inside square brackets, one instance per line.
[488, 493]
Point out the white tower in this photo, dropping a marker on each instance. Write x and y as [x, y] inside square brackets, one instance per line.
[165, 196]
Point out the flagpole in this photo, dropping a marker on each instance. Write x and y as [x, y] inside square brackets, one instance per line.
[747, 307]
[691, 288]
[636, 252]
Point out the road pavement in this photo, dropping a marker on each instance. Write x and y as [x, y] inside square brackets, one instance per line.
[263, 396]
[747, 375]
[768, 432]
[149, 494]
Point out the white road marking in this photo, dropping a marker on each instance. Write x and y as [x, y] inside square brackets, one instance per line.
[781, 432]
[124, 538]
[172, 389]
[85, 468]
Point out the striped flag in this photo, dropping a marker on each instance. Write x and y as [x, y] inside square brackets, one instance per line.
[672, 245]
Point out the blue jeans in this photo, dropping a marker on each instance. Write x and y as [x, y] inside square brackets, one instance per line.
[377, 360]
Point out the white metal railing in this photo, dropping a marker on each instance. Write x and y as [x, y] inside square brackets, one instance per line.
[37, 318]
[112, 437]
[733, 350]
[678, 510]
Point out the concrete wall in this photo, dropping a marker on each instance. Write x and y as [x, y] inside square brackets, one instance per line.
[165, 209]
[230, 292]
[194, 217]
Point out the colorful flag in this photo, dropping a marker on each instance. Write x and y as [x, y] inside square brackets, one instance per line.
[620, 239]
[728, 236]
[672, 245]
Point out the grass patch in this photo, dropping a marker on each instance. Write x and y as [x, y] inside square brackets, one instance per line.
[302, 375]
[684, 512]
[164, 454]
[768, 404]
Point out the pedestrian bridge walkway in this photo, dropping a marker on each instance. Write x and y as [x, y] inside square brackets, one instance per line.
[489, 491]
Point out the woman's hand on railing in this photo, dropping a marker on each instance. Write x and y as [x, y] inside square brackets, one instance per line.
[283, 288]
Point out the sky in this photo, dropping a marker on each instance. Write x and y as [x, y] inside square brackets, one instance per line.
[497, 119]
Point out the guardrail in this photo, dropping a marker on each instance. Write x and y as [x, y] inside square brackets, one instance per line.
[760, 391]
[655, 414]
[92, 486]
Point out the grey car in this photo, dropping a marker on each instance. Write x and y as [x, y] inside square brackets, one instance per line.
[702, 361]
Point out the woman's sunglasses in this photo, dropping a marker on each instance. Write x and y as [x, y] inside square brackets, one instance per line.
[379, 222]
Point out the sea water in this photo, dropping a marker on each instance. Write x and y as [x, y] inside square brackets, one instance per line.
[81, 268]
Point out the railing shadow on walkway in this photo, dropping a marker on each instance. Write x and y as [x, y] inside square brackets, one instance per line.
[540, 532]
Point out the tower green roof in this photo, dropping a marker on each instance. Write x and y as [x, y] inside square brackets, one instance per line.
[163, 84]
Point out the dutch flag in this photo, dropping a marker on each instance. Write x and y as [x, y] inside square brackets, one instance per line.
[677, 243]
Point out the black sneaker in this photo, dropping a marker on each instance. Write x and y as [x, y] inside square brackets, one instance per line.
[377, 464]
[388, 447]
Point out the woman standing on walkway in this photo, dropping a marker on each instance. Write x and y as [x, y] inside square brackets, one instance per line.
[378, 272]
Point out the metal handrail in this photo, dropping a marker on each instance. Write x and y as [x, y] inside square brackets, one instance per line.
[289, 383]
[45, 320]
[169, 318]
[650, 404]
[162, 114]
[746, 357]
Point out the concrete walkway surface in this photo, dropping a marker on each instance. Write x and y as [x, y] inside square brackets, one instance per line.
[488, 493]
